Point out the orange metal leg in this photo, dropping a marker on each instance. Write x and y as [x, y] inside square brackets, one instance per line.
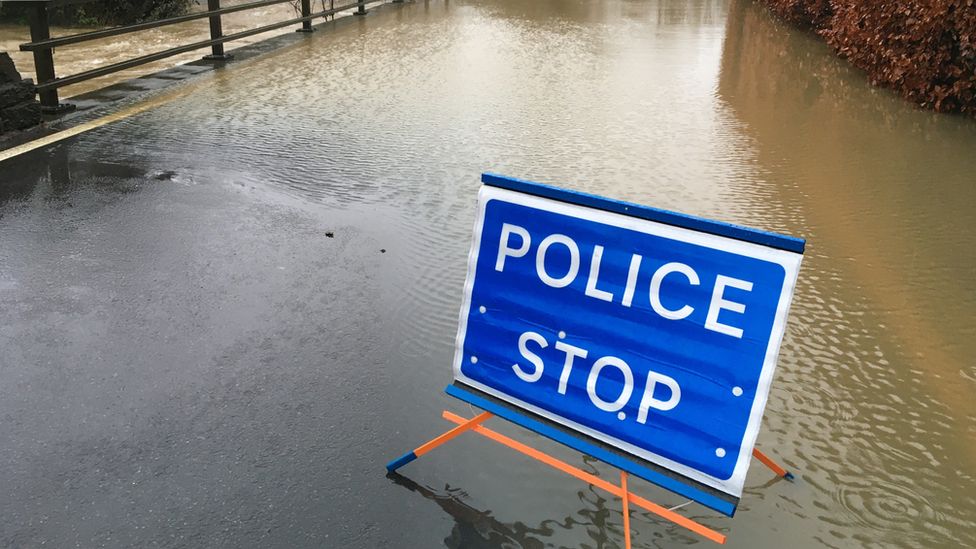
[626, 501]
[773, 466]
[465, 425]
[615, 490]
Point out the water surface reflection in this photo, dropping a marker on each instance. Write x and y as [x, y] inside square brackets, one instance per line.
[886, 193]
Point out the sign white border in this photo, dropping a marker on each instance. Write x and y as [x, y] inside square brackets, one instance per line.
[789, 261]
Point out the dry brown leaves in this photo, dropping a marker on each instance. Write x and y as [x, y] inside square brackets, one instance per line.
[925, 49]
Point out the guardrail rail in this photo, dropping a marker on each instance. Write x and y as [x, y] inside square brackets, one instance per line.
[42, 45]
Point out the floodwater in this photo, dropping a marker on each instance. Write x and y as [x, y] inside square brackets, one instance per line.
[76, 58]
[189, 359]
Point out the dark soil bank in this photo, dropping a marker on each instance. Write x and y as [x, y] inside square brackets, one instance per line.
[18, 110]
[924, 49]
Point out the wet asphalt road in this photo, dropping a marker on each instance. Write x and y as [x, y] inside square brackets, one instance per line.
[187, 362]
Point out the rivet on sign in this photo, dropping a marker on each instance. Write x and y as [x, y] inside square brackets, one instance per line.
[621, 416]
[562, 335]
[720, 452]
[483, 309]
[737, 391]
[474, 360]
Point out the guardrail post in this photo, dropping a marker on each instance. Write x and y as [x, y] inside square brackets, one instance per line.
[216, 31]
[44, 58]
[306, 11]
[362, 8]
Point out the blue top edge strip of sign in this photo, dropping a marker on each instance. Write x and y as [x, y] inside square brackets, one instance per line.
[738, 232]
[664, 481]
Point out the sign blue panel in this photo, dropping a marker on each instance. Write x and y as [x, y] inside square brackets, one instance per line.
[657, 339]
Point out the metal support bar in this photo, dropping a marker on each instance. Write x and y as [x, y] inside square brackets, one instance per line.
[709, 497]
[625, 500]
[306, 11]
[773, 466]
[362, 8]
[593, 480]
[216, 33]
[43, 59]
[466, 425]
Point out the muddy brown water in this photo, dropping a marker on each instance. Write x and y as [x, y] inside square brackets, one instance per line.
[188, 359]
[76, 58]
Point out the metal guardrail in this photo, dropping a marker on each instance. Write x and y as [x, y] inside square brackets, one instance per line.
[42, 45]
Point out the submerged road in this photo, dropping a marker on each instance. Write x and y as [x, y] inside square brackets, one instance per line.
[222, 313]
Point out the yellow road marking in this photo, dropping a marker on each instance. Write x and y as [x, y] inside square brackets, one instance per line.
[122, 114]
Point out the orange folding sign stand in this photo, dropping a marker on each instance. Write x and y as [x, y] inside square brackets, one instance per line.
[627, 497]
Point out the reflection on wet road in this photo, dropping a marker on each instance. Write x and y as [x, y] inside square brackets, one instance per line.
[221, 316]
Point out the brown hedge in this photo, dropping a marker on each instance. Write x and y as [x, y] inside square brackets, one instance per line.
[924, 49]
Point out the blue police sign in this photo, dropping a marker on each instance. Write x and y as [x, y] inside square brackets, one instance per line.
[650, 331]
